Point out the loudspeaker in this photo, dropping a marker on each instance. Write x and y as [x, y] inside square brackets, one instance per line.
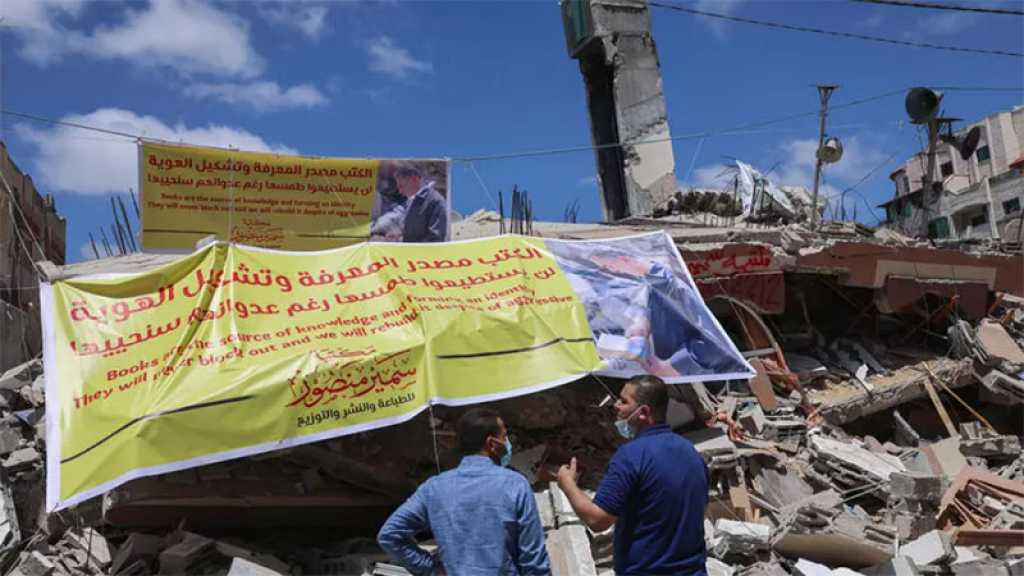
[831, 150]
[922, 104]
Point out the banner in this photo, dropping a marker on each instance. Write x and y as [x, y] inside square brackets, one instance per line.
[234, 350]
[286, 202]
[645, 311]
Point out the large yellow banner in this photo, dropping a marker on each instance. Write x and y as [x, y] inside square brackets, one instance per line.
[286, 202]
[234, 351]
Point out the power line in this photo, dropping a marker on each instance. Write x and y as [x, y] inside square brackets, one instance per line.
[752, 128]
[933, 6]
[794, 28]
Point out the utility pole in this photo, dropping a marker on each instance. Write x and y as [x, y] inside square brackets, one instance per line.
[824, 93]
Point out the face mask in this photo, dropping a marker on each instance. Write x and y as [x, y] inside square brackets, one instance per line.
[623, 427]
[506, 458]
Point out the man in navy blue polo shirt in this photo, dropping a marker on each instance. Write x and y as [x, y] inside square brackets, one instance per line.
[655, 490]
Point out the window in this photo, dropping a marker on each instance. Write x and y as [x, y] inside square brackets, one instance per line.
[983, 155]
[1011, 206]
[938, 228]
[947, 169]
[979, 220]
[906, 184]
[892, 213]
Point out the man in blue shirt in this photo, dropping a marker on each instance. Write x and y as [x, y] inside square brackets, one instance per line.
[483, 516]
[655, 490]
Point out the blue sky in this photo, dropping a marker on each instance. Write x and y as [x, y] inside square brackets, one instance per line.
[428, 79]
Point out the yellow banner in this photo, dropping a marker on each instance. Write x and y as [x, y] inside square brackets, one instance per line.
[234, 351]
[285, 202]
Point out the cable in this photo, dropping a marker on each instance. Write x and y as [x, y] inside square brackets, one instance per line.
[793, 28]
[933, 6]
[70, 124]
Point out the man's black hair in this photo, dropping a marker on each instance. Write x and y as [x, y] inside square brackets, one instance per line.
[653, 392]
[474, 427]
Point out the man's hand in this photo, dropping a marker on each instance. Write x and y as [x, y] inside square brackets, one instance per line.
[658, 367]
[567, 474]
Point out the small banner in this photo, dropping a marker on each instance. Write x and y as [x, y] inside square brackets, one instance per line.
[286, 202]
[234, 351]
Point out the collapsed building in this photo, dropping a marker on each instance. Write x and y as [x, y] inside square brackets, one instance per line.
[882, 434]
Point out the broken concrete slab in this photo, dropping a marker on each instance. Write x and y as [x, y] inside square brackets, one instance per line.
[21, 459]
[185, 556]
[35, 564]
[997, 343]
[137, 547]
[92, 543]
[935, 547]
[915, 486]
[20, 376]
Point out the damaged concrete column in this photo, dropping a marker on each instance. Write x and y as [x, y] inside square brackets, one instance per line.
[612, 41]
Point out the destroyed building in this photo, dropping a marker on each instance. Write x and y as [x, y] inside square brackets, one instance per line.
[30, 230]
[981, 195]
[882, 434]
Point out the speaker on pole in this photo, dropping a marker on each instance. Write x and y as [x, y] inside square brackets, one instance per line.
[923, 104]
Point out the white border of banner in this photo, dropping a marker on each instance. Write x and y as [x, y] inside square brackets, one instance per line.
[51, 371]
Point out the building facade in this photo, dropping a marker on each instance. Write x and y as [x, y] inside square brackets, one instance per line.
[981, 197]
[31, 230]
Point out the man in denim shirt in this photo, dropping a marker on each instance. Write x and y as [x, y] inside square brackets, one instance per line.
[483, 516]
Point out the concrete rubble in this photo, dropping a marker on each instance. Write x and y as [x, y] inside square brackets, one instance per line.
[882, 435]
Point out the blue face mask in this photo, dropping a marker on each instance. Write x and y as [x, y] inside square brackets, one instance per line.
[506, 458]
[623, 427]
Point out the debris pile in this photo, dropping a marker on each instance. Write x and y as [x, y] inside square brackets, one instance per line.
[852, 452]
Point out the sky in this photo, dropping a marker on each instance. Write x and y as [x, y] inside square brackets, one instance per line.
[472, 79]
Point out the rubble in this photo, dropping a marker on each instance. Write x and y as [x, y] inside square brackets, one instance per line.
[881, 436]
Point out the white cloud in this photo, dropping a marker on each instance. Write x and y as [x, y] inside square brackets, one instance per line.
[261, 96]
[310, 20]
[720, 28]
[710, 176]
[36, 24]
[945, 23]
[86, 251]
[65, 161]
[187, 35]
[392, 60]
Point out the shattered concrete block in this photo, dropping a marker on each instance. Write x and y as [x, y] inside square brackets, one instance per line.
[935, 547]
[243, 567]
[740, 540]
[21, 375]
[178, 559]
[35, 564]
[93, 544]
[915, 486]
[21, 459]
[913, 524]
[991, 447]
[981, 567]
[137, 547]
[10, 440]
[753, 420]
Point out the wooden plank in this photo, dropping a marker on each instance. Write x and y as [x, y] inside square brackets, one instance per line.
[934, 396]
[761, 386]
